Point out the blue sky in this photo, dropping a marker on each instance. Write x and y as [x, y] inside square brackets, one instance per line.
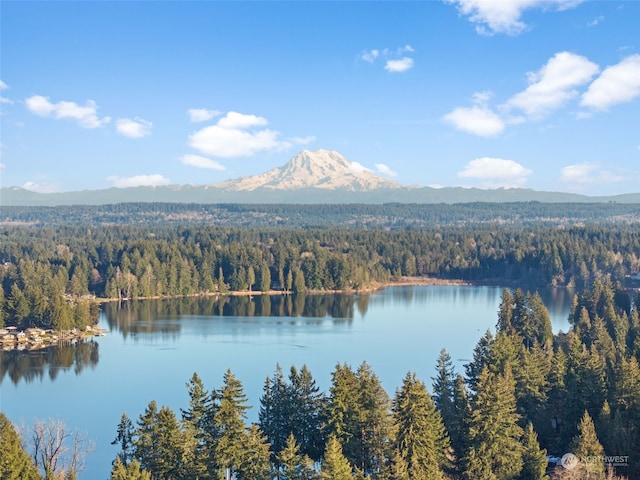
[541, 94]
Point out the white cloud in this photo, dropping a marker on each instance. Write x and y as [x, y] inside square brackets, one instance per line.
[358, 167]
[136, 128]
[385, 170]
[582, 174]
[476, 120]
[86, 115]
[554, 84]
[401, 65]
[617, 84]
[153, 180]
[235, 120]
[504, 16]
[2, 167]
[496, 172]
[39, 187]
[370, 55]
[481, 98]
[234, 136]
[392, 63]
[202, 114]
[595, 21]
[201, 162]
[302, 140]
[4, 86]
[406, 49]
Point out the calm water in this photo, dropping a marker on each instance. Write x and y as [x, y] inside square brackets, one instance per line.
[154, 347]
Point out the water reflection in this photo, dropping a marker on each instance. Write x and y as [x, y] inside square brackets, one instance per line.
[157, 320]
[154, 316]
[30, 365]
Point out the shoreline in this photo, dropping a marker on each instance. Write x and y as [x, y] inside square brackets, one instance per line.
[32, 338]
[375, 286]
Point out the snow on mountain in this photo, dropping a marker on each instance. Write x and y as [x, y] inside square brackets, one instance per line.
[324, 169]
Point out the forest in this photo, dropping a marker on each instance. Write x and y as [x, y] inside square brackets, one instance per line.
[525, 400]
[355, 215]
[51, 276]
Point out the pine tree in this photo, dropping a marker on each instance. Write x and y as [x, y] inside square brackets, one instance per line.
[494, 451]
[443, 385]
[480, 356]
[254, 461]
[534, 459]
[588, 449]
[307, 411]
[144, 438]
[459, 429]
[344, 411]
[132, 471]
[124, 438]
[198, 420]
[376, 423]
[294, 465]
[289, 459]
[274, 416]
[335, 465]
[15, 462]
[229, 422]
[421, 438]
[505, 313]
[168, 445]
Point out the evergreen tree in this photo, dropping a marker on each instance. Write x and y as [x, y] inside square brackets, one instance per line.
[229, 422]
[588, 449]
[421, 438]
[169, 446]
[124, 438]
[459, 428]
[198, 420]
[290, 460]
[399, 467]
[335, 465]
[294, 465]
[254, 461]
[443, 385]
[480, 356]
[132, 471]
[15, 462]
[494, 451]
[505, 313]
[144, 438]
[534, 459]
[376, 423]
[344, 411]
[307, 408]
[275, 413]
[265, 278]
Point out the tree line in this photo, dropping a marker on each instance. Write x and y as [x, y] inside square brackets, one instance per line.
[354, 215]
[48, 273]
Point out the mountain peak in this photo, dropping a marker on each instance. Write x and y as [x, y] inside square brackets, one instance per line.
[323, 169]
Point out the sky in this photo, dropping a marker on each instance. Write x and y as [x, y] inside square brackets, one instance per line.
[539, 94]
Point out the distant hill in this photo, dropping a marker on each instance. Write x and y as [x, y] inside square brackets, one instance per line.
[322, 176]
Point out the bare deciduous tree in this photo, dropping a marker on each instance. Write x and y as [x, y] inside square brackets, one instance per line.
[57, 451]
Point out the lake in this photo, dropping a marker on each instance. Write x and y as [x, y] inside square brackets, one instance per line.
[153, 348]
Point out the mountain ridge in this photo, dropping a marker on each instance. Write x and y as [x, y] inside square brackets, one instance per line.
[322, 176]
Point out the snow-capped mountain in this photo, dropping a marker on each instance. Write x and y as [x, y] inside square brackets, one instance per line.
[324, 169]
